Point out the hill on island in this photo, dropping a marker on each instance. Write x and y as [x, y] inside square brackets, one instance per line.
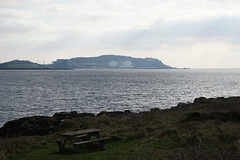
[104, 61]
[18, 64]
[110, 61]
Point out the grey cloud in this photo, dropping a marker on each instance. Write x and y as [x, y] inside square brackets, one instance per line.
[70, 40]
[15, 21]
[74, 13]
[15, 29]
[20, 2]
[14, 13]
[172, 32]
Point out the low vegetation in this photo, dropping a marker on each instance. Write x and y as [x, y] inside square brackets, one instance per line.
[205, 129]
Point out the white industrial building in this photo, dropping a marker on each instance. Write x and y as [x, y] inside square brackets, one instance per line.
[127, 64]
[120, 64]
[112, 64]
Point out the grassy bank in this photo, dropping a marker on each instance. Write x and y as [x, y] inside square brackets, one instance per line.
[205, 129]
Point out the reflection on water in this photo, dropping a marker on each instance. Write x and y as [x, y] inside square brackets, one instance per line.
[28, 93]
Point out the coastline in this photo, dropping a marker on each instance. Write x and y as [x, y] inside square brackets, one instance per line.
[208, 128]
[201, 103]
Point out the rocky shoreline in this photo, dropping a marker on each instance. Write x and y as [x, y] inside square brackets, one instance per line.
[208, 128]
[44, 125]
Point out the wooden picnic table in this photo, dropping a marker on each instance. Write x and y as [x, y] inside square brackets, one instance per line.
[81, 132]
[85, 134]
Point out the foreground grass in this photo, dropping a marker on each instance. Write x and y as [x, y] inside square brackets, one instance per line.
[208, 129]
[48, 152]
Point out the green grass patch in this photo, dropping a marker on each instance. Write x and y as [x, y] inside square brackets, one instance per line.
[189, 133]
[43, 150]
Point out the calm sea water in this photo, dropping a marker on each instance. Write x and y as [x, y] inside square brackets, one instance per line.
[29, 93]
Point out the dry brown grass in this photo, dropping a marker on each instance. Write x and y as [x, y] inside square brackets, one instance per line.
[230, 152]
[9, 146]
[206, 130]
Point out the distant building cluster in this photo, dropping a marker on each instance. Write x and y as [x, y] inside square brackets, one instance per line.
[112, 64]
[120, 64]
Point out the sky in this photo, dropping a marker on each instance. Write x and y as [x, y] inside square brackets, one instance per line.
[186, 33]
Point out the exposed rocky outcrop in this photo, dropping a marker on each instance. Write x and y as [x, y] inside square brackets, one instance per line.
[28, 126]
[70, 115]
[116, 113]
[202, 109]
[39, 125]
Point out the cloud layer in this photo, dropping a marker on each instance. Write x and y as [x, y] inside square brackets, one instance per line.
[180, 33]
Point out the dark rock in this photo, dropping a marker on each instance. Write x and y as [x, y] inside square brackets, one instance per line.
[221, 116]
[102, 113]
[29, 126]
[115, 113]
[154, 110]
[69, 115]
[181, 105]
[128, 112]
[201, 100]
[39, 125]
[220, 98]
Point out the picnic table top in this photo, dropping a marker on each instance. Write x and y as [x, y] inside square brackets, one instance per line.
[85, 131]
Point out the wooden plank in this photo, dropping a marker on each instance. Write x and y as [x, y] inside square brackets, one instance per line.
[81, 136]
[93, 140]
[101, 144]
[86, 131]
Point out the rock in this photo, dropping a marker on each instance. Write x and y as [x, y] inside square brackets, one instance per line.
[102, 113]
[39, 125]
[29, 126]
[153, 110]
[69, 115]
[200, 100]
[181, 105]
[115, 113]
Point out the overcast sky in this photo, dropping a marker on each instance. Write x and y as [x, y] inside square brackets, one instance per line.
[181, 33]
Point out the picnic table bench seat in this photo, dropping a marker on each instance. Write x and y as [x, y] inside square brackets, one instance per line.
[101, 143]
[59, 141]
[82, 136]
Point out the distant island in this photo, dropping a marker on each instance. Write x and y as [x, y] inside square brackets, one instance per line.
[104, 61]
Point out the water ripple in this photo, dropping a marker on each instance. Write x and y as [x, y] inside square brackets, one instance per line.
[28, 93]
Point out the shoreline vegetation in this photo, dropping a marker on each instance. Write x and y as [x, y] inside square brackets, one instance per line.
[208, 128]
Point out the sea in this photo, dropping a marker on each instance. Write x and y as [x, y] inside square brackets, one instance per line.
[25, 93]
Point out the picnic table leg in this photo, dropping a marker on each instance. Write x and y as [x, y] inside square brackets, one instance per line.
[87, 137]
[98, 135]
[61, 144]
[77, 148]
[101, 145]
[73, 139]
